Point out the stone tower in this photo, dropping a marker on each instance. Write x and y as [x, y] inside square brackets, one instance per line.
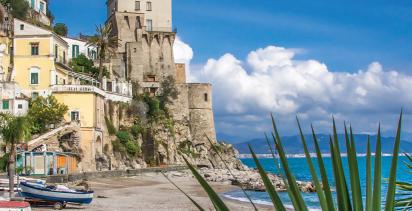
[201, 112]
[145, 53]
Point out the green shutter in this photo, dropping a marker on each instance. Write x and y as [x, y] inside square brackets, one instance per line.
[6, 105]
[34, 78]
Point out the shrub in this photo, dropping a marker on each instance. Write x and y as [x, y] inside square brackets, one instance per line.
[132, 148]
[118, 147]
[123, 136]
[154, 105]
[136, 130]
[110, 127]
[60, 29]
[44, 112]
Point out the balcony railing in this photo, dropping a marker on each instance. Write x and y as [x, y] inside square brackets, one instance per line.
[160, 29]
[91, 89]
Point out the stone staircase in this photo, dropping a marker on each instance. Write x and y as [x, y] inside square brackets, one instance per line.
[51, 138]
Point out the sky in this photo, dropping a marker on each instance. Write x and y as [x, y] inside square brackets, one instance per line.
[351, 59]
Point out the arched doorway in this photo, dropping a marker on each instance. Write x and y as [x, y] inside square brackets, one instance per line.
[98, 146]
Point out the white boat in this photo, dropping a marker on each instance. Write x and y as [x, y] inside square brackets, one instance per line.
[55, 194]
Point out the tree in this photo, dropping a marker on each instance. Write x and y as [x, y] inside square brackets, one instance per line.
[15, 131]
[44, 112]
[85, 65]
[169, 92]
[19, 7]
[105, 43]
[61, 29]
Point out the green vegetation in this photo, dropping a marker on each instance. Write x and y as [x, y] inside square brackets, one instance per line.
[110, 127]
[15, 131]
[45, 111]
[186, 148]
[83, 64]
[126, 143]
[405, 200]
[169, 92]
[123, 136]
[105, 43]
[19, 8]
[345, 200]
[61, 29]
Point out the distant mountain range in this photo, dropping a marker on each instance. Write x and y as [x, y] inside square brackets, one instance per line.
[293, 144]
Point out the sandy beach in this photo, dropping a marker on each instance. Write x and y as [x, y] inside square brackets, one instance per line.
[153, 192]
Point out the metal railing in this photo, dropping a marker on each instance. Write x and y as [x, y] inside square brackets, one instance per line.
[91, 89]
[160, 29]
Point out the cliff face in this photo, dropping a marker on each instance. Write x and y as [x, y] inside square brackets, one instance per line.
[163, 139]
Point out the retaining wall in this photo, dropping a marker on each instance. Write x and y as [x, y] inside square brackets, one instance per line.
[109, 174]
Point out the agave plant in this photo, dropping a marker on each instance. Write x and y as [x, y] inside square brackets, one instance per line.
[348, 192]
[405, 196]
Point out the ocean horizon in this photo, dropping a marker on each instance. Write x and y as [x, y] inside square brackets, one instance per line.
[301, 171]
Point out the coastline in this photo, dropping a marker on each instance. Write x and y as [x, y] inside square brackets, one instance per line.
[151, 191]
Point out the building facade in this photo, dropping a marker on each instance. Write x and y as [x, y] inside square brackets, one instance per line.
[41, 68]
[39, 10]
[78, 47]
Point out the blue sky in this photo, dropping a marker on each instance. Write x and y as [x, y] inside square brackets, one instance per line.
[352, 59]
[347, 35]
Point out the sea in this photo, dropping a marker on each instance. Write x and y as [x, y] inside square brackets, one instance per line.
[301, 171]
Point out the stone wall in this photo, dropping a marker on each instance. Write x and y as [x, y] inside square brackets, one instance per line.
[201, 112]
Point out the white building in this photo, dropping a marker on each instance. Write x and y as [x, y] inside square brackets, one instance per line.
[78, 47]
[157, 13]
[39, 10]
[12, 100]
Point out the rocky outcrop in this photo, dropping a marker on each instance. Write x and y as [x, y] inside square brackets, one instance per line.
[250, 180]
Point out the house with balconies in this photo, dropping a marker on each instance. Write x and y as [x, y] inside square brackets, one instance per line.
[39, 11]
[41, 68]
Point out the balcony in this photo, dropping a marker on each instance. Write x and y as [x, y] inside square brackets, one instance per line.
[91, 89]
[160, 29]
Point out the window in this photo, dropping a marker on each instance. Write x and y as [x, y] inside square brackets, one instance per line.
[34, 49]
[34, 78]
[33, 3]
[20, 106]
[149, 25]
[42, 6]
[137, 6]
[75, 51]
[151, 78]
[138, 23]
[22, 27]
[64, 57]
[74, 116]
[6, 105]
[56, 51]
[149, 6]
[64, 81]
[34, 95]
[57, 80]
[206, 97]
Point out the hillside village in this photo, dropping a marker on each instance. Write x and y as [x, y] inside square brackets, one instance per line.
[115, 100]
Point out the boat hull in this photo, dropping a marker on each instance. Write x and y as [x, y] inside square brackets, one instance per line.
[32, 191]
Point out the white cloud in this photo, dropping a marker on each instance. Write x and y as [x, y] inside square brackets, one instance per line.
[271, 80]
[183, 53]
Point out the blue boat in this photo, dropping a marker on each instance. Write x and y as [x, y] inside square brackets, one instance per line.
[53, 194]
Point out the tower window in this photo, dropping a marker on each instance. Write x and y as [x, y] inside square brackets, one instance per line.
[137, 6]
[206, 97]
[149, 6]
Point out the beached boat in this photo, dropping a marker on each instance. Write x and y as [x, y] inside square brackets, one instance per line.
[14, 206]
[60, 194]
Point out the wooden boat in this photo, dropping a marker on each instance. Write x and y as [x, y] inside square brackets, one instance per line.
[54, 194]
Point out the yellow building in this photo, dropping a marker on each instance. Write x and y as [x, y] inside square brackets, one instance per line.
[41, 69]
